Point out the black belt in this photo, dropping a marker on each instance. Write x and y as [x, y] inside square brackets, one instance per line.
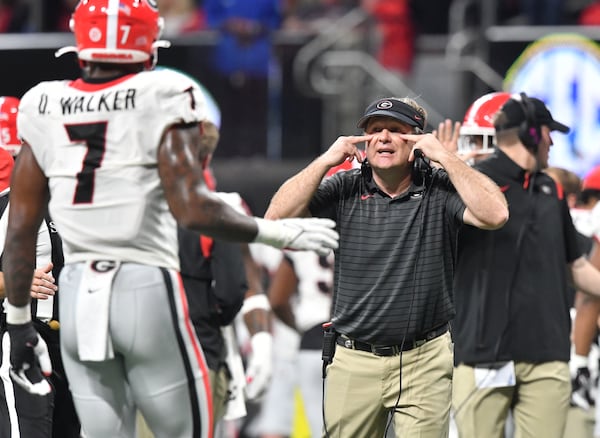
[391, 350]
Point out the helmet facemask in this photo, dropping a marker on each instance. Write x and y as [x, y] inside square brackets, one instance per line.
[477, 133]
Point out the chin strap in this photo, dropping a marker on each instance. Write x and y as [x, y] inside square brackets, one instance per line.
[159, 44]
[68, 49]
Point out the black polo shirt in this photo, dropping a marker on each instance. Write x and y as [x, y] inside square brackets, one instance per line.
[395, 263]
[511, 292]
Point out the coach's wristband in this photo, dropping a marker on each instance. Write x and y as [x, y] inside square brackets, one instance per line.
[17, 315]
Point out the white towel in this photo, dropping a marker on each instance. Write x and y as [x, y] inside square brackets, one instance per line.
[93, 307]
[44, 309]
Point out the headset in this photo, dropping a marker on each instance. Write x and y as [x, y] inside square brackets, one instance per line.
[421, 170]
[529, 130]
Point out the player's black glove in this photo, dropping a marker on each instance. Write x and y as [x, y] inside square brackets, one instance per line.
[581, 384]
[29, 358]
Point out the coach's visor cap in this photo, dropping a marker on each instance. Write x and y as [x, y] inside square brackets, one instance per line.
[395, 109]
[514, 109]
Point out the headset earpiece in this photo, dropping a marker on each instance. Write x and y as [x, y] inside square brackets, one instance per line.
[529, 130]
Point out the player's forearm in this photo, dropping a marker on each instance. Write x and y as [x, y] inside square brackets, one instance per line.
[192, 204]
[293, 197]
[2, 286]
[254, 273]
[257, 320]
[18, 265]
[286, 315]
[256, 312]
[586, 277]
[210, 216]
[584, 325]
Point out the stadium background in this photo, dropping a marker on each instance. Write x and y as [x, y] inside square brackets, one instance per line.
[324, 80]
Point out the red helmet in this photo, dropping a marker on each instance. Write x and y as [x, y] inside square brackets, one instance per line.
[116, 31]
[9, 140]
[479, 121]
[591, 181]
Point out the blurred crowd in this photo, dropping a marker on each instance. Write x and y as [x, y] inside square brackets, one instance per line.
[396, 22]
[189, 15]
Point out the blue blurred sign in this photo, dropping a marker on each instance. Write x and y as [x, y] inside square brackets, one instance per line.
[563, 70]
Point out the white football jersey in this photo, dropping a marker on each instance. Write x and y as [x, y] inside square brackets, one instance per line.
[315, 287]
[587, 222]
[97, 143]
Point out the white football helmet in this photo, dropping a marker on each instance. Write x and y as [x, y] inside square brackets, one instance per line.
[477, 131]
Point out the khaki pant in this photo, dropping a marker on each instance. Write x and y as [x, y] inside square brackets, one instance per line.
[580, 423]
[219, 384]
[540, 402]
[362, 389]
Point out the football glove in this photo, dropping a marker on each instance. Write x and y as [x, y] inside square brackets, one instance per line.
[260, 367]
[305, 234]
[581, 384]
[29, 358]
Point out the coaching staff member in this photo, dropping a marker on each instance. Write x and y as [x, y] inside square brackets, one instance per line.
[512, 298]
[393, 270]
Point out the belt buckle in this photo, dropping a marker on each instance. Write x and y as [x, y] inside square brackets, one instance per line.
[419, 342]
[349, 343]
[393, 350]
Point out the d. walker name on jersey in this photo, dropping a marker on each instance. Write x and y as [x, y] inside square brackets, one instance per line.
[116, 100]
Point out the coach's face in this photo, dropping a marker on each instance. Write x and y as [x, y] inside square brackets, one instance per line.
[387, 150]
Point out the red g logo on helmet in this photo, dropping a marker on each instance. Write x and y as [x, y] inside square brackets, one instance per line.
[9, 139]
[119, 31]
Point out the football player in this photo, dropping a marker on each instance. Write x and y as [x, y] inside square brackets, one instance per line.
[117, 155]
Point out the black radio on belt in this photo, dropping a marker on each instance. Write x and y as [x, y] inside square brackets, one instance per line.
[329, 337]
